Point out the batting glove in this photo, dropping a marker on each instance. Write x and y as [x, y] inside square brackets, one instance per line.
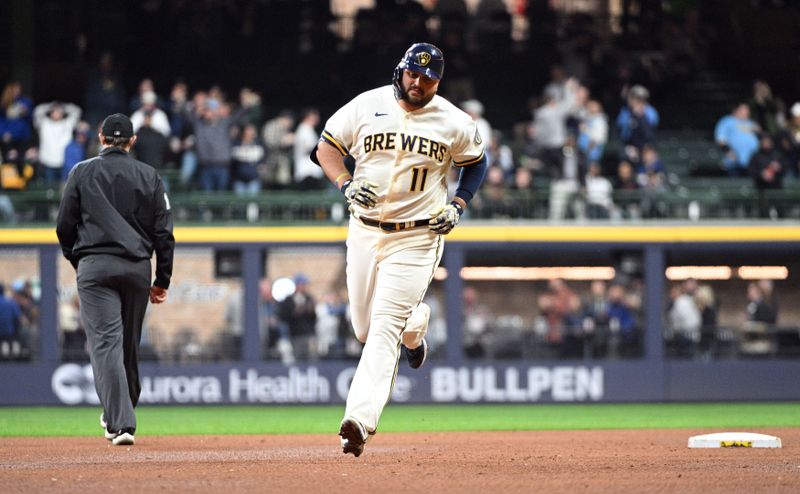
[443, 221]
[360, 192]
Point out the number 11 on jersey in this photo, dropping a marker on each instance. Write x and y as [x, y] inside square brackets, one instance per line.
[418, 177]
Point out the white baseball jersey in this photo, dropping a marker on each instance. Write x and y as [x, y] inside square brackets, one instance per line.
[407, 154]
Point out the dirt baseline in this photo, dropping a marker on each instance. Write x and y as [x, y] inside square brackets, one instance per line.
[552, 461]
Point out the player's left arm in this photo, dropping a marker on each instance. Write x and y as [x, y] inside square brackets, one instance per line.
[469, 181]
[467, 154]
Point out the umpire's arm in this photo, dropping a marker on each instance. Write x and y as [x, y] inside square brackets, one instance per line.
[69, 216]
[163, 239]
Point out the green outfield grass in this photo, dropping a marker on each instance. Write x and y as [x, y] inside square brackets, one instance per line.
[83, 421]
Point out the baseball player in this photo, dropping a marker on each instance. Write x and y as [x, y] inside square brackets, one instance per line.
[403, 138]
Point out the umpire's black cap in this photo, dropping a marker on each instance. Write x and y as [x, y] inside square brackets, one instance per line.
[117, 125]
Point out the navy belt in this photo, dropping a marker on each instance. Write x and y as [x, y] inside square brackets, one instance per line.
[393, 227]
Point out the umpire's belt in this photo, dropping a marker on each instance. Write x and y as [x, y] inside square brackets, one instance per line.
[393, 227]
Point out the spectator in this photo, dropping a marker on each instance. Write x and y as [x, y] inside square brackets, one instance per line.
[706, 302]
[767, 288]
[651, 172]
[684, 319]
[766, 109]
[22, 293]
[474, 109]
[298, 312]
[248, 156]
[767, 169]
[279, 140]
[499, 154]
[73, 336]
[252, 111]
[622, 321]
[626, 177]
[593, 132]
[477, 322]
[212, 124]
[158, 118]
[550, 128]
[564, 188]
[151, 145]
[274, 331]
[523, 183]
[55, 122]
[652, 178]
[736, 134]
[599, 201]
[177, 108]
[637, 122]
[331, 319]
[761, 314]
[76, 150]
[594, 312]
[307, 175]
[137, 101]
[789, 141]
[10, 323]
[182, 141]
[493, 201]
[559, 306]
[16, 112]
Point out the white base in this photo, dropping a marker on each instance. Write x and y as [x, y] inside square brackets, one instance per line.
[734, 440]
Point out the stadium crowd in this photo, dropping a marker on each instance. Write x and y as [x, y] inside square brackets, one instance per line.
[591, 129]
[569, 113]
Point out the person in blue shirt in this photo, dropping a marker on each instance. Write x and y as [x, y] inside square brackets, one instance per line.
[10, 314]
[637, 122]
[75, 151]
[737, 134]
[16, 117]
[622, 318]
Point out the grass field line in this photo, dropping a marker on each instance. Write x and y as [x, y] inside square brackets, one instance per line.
[274, 419]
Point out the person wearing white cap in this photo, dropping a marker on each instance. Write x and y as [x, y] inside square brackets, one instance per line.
[790, 140]
[159, 120]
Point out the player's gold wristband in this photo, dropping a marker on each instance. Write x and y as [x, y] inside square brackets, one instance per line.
[345, 174]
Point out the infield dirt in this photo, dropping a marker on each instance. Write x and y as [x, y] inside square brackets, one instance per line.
[552, 461]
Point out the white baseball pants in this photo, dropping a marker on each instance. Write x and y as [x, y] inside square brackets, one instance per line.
[387, 277]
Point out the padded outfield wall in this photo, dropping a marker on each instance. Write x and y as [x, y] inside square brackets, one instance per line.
[452, 376]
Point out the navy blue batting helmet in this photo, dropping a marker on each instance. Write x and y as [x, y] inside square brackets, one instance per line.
[423, 58]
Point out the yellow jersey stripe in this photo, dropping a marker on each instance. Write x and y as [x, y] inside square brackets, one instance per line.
[333, 142]
[469, 161]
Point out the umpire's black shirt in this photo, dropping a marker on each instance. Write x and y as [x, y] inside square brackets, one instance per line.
[113, 204]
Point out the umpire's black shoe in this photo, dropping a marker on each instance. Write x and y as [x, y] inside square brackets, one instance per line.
[354, 437]
[123, 437]
[417, 356]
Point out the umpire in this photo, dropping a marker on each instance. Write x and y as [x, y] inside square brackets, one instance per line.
[114, 213]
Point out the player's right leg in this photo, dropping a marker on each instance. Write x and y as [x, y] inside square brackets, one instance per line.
[405, 267]
[362, 244]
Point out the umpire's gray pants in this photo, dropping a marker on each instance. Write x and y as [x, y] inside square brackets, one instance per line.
[114, 293]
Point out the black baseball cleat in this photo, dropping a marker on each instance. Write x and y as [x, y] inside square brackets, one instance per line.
[354, 437]
[417, 356]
